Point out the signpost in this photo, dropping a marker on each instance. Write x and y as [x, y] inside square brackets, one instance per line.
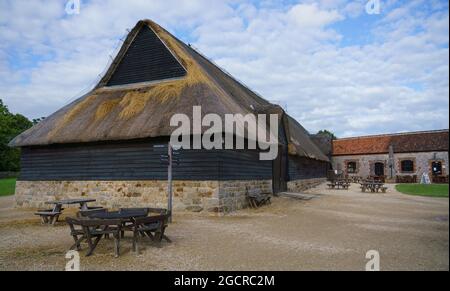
[170, 159]
[391, 161]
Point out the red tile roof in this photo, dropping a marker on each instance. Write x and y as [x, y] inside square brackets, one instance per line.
[425, 141]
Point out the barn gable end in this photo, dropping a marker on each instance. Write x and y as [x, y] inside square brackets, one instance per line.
[147, 59]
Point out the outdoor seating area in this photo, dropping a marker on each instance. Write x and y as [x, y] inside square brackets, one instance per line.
[342, 183]
[212, 241]
[406, 179]
[355, 179]
[439, 179]
[373, 186]
[369, 184]
[92, 224]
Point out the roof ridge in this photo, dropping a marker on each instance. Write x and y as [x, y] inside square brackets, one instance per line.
[195, 49]
[393, 134]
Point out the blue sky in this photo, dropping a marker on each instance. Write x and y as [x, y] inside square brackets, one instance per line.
[329, 63]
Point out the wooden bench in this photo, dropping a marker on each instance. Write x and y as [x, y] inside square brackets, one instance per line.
[92, 231]
[48, 216]
[257, 199]
[153, 227]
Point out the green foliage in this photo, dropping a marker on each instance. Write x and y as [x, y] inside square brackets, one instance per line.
[37, 120]
[7, 186]
[327, 132]
[11, 125]
[432, 190]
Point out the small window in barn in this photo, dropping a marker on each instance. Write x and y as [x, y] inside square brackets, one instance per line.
[351, 167]
[407, 166]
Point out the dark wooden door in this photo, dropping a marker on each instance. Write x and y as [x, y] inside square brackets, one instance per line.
[280, 170]
[379, 169]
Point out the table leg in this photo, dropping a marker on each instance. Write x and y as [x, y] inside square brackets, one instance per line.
[53, 220]
[57, 208]
[83, 206]
[44, 219]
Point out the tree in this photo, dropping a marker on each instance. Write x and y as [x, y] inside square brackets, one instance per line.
[327, 132]
[11, 125]
[37, 120]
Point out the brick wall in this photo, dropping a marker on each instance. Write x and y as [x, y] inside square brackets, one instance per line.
[422, 163]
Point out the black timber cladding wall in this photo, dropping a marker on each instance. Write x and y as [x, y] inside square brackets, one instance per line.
[147, 59]
[304, 168]
[243, 165]
[138, 160]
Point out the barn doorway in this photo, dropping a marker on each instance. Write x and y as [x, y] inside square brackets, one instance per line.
[379, 169]
[280, 170]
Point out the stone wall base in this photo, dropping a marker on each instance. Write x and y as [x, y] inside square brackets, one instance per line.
[233, 193]
[303, 185]
[217, 196]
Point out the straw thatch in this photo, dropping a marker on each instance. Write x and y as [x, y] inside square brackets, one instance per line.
[144, 110]
[106, 108]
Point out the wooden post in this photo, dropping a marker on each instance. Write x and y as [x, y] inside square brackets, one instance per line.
[169, 179]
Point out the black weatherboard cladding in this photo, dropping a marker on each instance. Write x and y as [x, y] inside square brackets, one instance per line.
[301, 168]
[147, 59]
[139, 160]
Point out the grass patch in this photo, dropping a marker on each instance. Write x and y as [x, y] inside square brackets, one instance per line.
[7, 186]
[432, 190]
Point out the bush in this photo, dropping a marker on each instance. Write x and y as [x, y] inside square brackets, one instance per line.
[11, 125]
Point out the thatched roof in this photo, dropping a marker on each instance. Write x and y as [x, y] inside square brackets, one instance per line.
[143, 110]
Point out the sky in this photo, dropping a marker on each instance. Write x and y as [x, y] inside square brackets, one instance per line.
[331, 64]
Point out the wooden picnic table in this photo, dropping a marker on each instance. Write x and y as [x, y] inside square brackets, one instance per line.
[373, 186]
[339, 183]
[97, 225]
[82, 201]
[126, 217]
[119, 215]
[50, 216]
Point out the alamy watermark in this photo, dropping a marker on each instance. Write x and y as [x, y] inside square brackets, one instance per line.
[374, 260]
[249, 127]
[373, 7]
[73, 7]
[74, 261]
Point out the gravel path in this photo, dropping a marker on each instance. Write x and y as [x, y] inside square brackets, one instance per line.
[330, 232]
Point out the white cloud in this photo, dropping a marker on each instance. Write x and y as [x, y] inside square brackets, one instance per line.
[395, 81]
[309, 16]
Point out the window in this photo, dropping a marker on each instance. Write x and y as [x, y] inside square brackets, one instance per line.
[407, 166]
[351, 167]
[436, 168]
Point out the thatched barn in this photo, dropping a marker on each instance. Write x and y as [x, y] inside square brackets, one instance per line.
[107, 144]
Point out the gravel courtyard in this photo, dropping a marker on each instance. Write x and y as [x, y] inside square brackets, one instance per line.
[332, 231]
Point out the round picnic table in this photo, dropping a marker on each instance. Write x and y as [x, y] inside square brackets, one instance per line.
[118, 215]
